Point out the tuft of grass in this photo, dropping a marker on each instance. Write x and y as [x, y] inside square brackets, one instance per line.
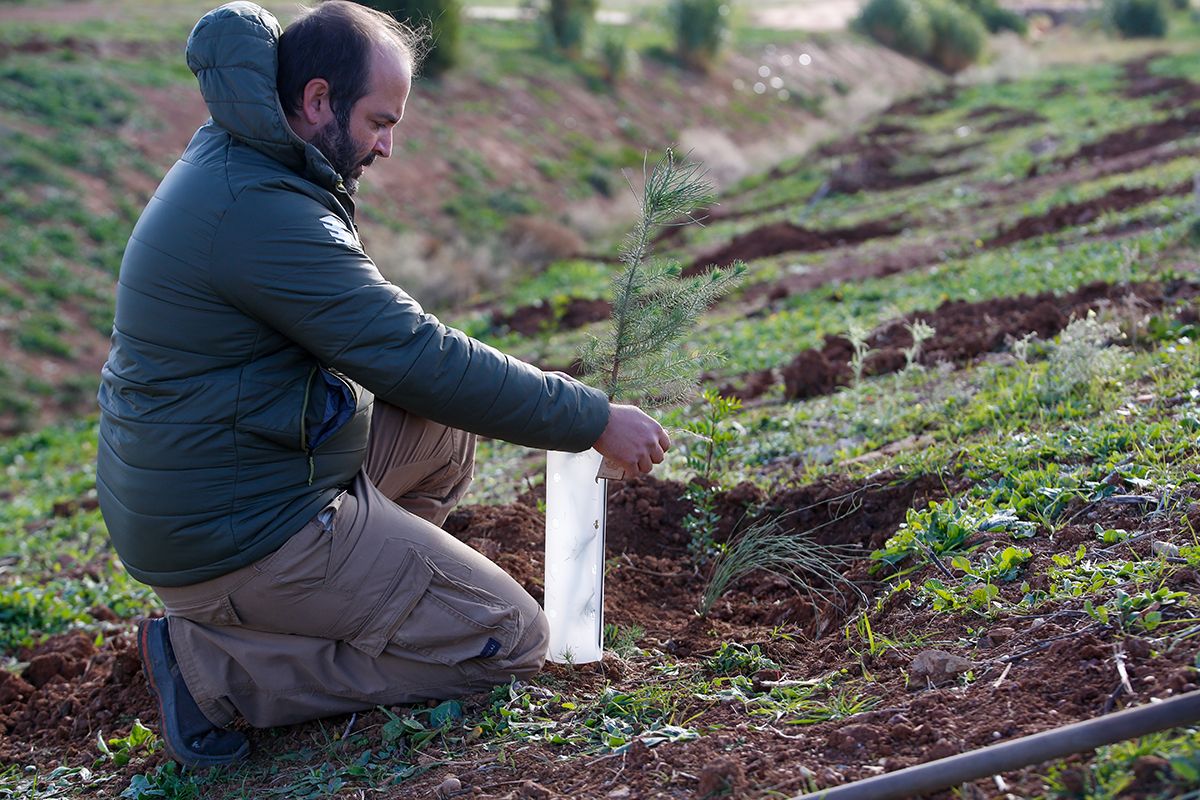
[808, 566]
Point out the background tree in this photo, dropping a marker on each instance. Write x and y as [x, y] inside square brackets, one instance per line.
[700, 29]
[441, 18]
[567, 23]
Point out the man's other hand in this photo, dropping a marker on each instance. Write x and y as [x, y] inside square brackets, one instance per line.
[633, 439]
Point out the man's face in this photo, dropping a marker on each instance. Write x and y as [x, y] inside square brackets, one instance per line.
[353, 145]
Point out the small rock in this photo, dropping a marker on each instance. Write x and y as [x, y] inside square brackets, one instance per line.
[619, 792]
[1137, 647]
[1165, 549]
[531, 790]
[939, 665]
[942, 748]
[722, 777]
[999, 635]
[449, 787]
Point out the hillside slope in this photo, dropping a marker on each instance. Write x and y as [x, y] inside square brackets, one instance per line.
[512, 159]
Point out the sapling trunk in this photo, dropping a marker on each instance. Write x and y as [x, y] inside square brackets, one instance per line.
[639, 359]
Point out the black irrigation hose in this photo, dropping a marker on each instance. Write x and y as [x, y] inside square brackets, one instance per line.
[1076, 738]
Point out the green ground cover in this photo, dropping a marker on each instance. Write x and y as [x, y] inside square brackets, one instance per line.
[1023, 442]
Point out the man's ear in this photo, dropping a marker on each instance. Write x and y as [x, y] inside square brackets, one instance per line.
[314, 104]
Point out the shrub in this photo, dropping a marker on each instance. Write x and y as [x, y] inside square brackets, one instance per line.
[958, 36]
[442, 19]
[699, 28]
[995, 18]
[902, 25]
[1138, 18]
[567, 22]
[614, 58]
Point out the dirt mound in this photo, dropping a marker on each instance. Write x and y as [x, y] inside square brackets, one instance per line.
[70, 691]
[923, 105]
[550, 316]
[1138, 137]
[991, 110]
[1140, 82]
[1073, 215]
[885, 129]
[873, 170]
[963, 332]
[1018, 119]
[786, 237]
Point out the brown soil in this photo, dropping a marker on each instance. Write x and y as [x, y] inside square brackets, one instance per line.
[1073, 215]
[71, 691]
[1138, 137]
[1177, 91]
[874, 170]
[786, 237]
[1061, 665]
[963, 332]
[923, 105]
[1019, 119]
[546, 317]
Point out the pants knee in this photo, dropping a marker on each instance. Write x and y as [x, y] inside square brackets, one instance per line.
[530, 653]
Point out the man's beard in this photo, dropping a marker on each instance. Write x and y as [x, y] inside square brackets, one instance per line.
[339, 147]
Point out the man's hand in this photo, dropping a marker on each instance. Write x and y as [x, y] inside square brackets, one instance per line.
[633, 439]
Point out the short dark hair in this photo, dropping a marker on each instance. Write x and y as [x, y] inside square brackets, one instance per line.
[334, 41]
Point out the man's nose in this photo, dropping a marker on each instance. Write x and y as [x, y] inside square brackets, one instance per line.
[383, 145]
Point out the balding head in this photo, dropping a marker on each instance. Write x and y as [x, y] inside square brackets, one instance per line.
[339, 41]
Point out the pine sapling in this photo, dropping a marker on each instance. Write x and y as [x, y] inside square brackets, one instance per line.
[641, 356]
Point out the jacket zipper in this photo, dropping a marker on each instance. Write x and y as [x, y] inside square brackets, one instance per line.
[304, 425]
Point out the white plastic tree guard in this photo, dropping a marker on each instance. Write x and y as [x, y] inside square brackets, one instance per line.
[576, 502]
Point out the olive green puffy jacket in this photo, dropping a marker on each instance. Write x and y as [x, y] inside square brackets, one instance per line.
[252, 333]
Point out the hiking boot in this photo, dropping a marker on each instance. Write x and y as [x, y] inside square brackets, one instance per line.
[187, 734]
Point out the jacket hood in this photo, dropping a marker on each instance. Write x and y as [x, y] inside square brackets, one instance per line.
[234, 53]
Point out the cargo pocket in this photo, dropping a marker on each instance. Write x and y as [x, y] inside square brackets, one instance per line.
[302, 561]
[408, 584]
[455, 622]
[208, 611]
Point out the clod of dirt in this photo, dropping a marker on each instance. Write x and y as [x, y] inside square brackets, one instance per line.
[724, 777]
[939, 665]
[1074, 215]
[811, 374]
[545, 317]
[786, 237]
[531, 790]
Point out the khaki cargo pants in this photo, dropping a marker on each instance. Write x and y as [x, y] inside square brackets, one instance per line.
[370, 603]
